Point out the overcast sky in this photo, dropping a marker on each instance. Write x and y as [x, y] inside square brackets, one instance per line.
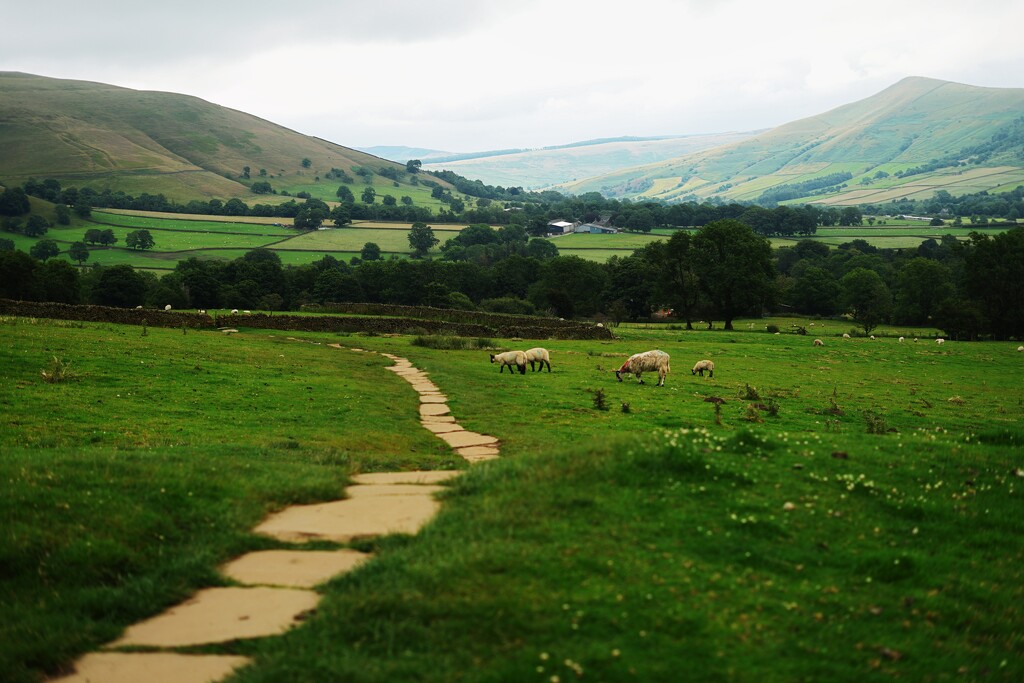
[468, 75]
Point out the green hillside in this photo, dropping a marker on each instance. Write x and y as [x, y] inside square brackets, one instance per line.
[913, 131]
[542, 168]
[84, 133]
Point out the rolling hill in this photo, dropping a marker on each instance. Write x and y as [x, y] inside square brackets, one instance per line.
[536, 169]
[911, 139]
[84, 133]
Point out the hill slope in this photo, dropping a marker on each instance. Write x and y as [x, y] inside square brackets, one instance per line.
[541, 168]
[930, 127]
[140, 141]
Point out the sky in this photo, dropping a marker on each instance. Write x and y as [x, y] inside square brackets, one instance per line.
[471, 75]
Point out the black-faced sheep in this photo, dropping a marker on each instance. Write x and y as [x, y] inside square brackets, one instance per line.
[701, 366]
[651, 361]
[539, 356]
[510, 358]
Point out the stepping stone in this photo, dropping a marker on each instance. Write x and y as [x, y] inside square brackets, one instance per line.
[479, 458]
[417, 477]
[425, 387]
[292, 568]
[366, 491]
[433, 398]
[436, 419]
[353, 518]
[478, 451]
[434, 409]
[442, 427]
[464, 438]
[152, 667]
[217, 615]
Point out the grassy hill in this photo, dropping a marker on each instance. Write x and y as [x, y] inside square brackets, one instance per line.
[541, 168]
[919, 130]
[84, 133]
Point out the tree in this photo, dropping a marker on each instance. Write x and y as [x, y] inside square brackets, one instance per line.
[734, 268]
[306, 163]
[139, 239]
[6, 245]
[83, 209]
[36, 226]
[370, 252]
[341, 215]
[866, 298]
[413, 166]
[120, 286]
[261, 187]
[93, 236]
[14, 202]
[79, 252]
[107, 238]
[44, 249]
[923, 286]
[850, 215]
[63, 214]
[369, 195]
[389, 200]
[816, 291]
[406, 200]
[344, 194]
[310, 217]
[421, 239]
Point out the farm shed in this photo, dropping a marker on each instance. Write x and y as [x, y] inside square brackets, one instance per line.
[595, 229]
[560, 227]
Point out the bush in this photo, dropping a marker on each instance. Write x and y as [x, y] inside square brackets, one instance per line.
[772, 329]
[452, 343]
[59, 371]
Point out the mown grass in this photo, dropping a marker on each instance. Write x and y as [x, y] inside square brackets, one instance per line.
[652, 544]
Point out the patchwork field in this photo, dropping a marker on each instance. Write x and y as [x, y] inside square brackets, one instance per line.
[848, 512]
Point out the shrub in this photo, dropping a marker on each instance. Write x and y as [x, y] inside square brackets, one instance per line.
[750, 394]
[58, 371]
[600, 400]
[772, 329]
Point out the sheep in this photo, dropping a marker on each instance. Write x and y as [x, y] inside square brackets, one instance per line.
[648, 360]
[818, 342]
[510, 358]
[234, 311]
[901, 340]
[1020, 348]
[167, 307]
[845, 336]
[703, 365]
[940, 340]
[872, 336]
[539, 356]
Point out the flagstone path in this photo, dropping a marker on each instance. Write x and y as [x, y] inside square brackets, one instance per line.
[276, 587]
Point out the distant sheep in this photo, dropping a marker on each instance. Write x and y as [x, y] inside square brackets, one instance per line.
[901, 340]
[539, 356]
[703, 365]
[940, 340]
[650, 361]
[845, 336]
[872, 336]
[510, 358]
[234, 311]
[818, 342]
[1020, 348]
[167, 307]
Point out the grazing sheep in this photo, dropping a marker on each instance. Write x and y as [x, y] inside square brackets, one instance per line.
[167, 307]
[647, 361]
[1020, 348]
[845, 336]
[247, 312]
[539, 356]
[510, 358]
[940, 340]
[818, 342]
[901, 340]
[138, 308]
[872, 336]
[234, 311]
[703, 365]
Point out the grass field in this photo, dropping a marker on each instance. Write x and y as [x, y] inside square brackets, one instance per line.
[868, 528]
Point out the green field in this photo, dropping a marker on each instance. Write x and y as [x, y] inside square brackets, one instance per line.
[863, 523]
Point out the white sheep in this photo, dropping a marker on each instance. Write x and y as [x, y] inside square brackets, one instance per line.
[703, 365]
[167, 307]
[818, 342]
[234, 311]
[872, 336]
[247, 312]
[940, 340]
[1020, 348]
[845, 336]
[510, 358]
[647, 361]
[901, 340]
[539, 356]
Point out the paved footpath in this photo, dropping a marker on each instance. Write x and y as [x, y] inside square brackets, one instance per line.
[276, 588]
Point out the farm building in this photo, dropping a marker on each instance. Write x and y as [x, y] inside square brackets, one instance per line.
[560, 227]
[595, 229]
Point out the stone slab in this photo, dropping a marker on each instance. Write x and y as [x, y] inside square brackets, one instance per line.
[477, 451]
[433, 398]
[353, 518]
[152, 667]
[416, 477]
[217, 615]
[426, 387]
[442, 427]
[436, 419]
[365, 491]
[464, 438]
[473, 459]
[292, 568]
[434, 409]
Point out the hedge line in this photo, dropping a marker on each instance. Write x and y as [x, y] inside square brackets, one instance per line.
[105, 314]
[300, 323]
[447, 314]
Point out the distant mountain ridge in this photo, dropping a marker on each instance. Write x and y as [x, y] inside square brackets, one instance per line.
[141, 141]
[917, 129]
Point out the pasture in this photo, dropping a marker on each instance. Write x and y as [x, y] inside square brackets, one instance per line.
[858, 518]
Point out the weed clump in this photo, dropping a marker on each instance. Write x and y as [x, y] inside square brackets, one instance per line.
[58, 371]
[600, 400]
[625, 407]
[876, 423]
[750, 394]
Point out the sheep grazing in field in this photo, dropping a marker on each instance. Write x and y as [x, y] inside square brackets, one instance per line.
[901, 340]
[872, 336]
[648, 361]
[818, 342]
[1020, 348]
[167, 307]
[940, 340]
[540, 357]
[845, 336]
[510, 358]
[234, 311]
[701, 366]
